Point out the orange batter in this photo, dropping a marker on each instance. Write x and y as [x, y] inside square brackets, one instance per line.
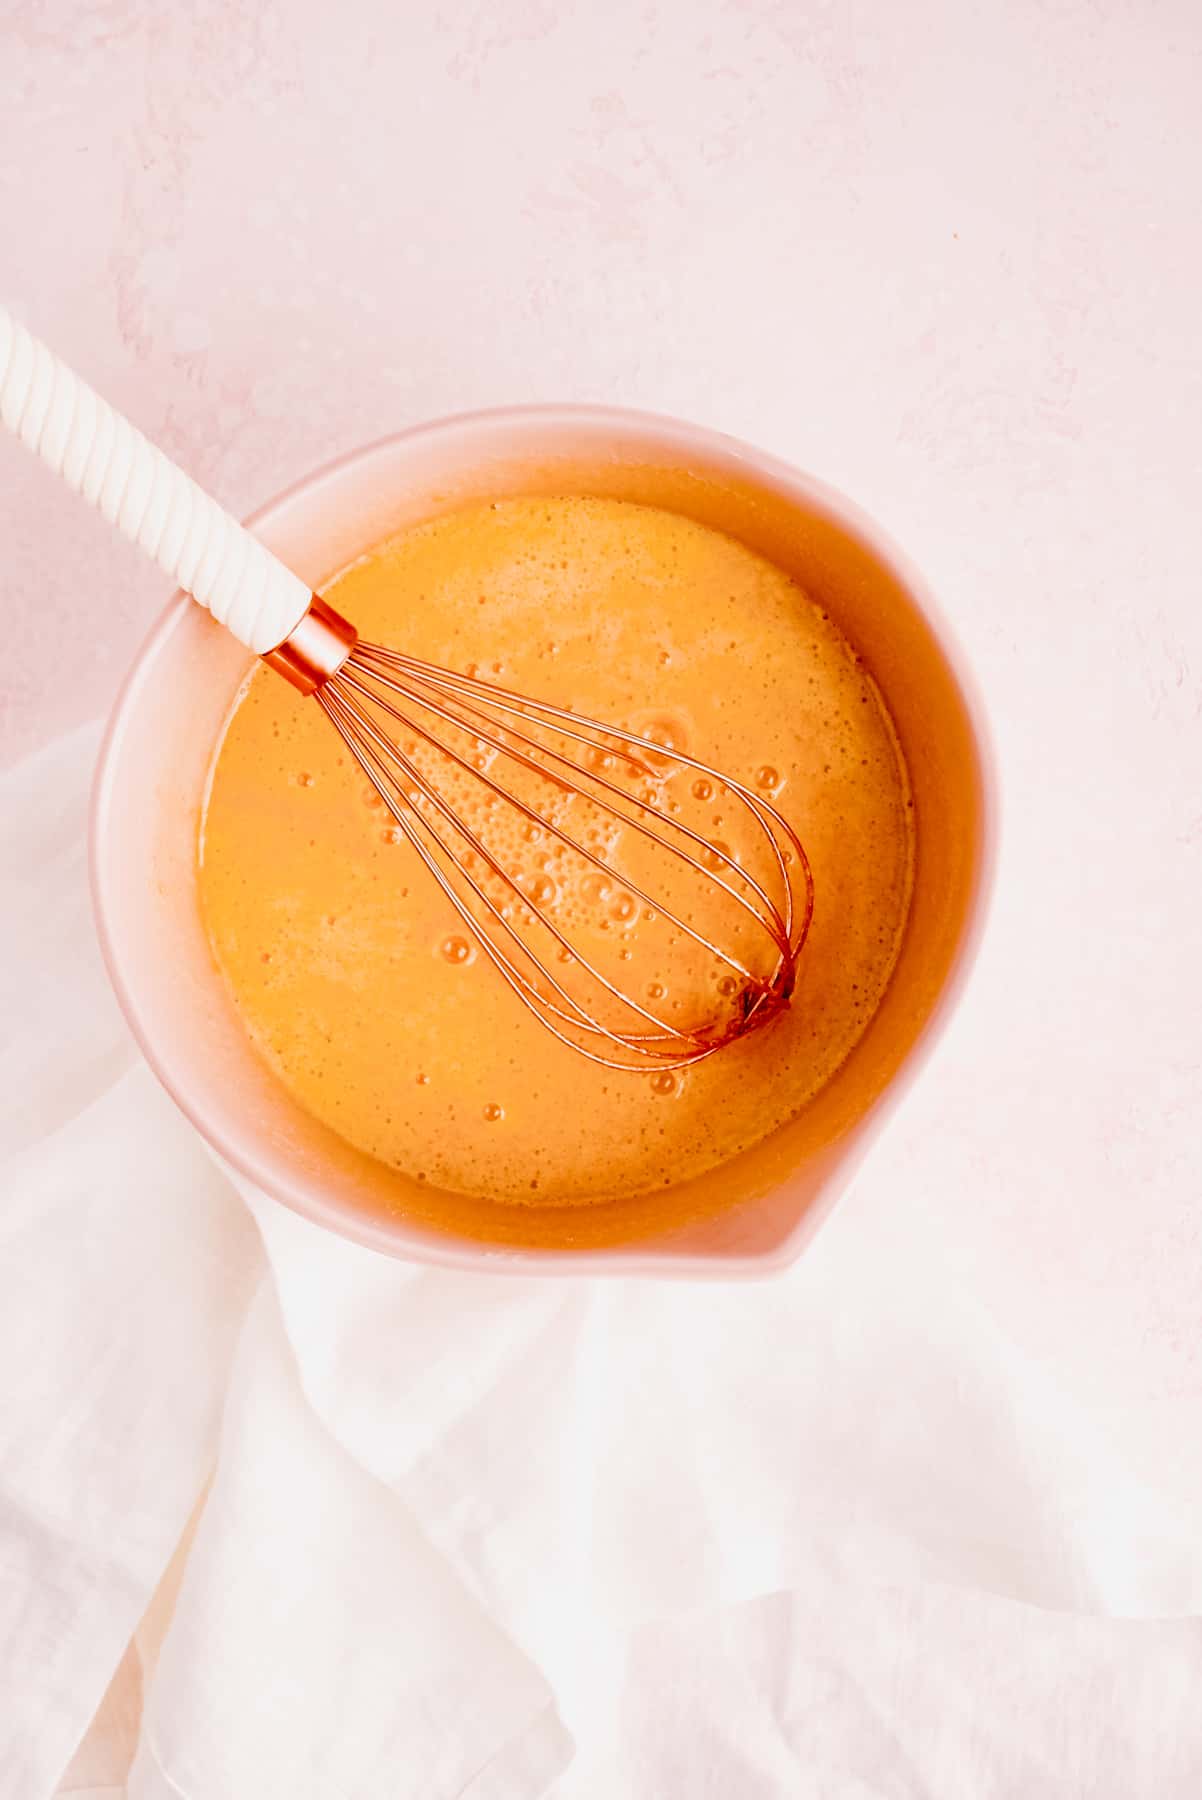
[346, 963]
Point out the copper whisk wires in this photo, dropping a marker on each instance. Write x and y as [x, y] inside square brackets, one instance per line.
[387, 706]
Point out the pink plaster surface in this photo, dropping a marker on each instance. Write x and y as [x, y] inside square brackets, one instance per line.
[947, 256]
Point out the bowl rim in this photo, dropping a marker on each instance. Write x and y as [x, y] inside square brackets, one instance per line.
[638, 1258]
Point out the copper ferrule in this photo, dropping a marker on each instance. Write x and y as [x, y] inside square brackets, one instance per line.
[315, 649]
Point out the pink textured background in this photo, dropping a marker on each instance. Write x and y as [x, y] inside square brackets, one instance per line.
[946, 255]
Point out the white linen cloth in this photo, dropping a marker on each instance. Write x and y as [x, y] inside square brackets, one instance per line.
[831, 1535]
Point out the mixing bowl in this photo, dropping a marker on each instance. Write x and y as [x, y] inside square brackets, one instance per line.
[752, 1215]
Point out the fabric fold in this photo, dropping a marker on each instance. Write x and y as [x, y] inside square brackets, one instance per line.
[127, 1261]
[319, 1645]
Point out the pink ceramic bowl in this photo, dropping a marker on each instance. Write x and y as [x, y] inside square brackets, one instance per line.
[756, 1213]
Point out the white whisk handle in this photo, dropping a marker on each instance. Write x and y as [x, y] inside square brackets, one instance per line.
[100, 454]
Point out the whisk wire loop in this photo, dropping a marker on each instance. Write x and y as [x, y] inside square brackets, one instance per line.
[385, 705]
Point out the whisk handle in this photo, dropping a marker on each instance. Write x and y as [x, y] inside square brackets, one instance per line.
[144, 494]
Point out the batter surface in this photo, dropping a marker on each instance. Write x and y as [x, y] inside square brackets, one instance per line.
[346, 963]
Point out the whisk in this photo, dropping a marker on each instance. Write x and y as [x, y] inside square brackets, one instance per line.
[466, 769]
